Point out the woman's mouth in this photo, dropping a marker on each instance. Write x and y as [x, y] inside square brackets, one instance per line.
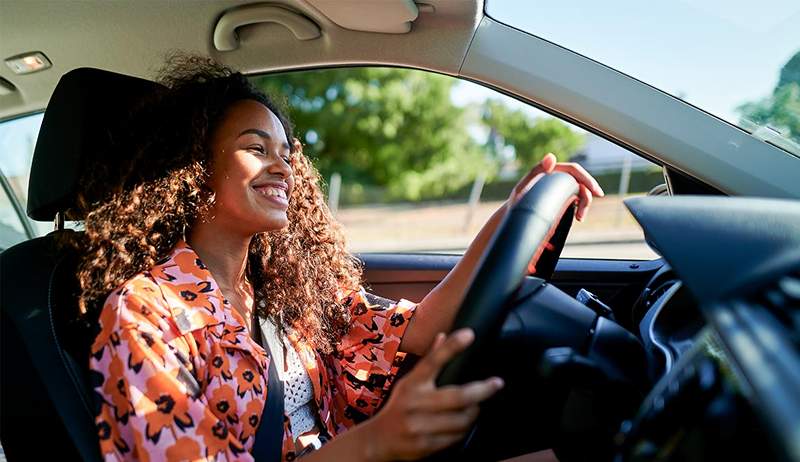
[276, 195]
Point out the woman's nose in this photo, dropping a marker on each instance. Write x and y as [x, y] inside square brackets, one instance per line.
[280, 166]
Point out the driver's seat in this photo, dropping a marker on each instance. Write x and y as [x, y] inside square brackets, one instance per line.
[46, 406]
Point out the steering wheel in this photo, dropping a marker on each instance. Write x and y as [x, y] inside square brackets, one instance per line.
[515, 251]
[581, 350]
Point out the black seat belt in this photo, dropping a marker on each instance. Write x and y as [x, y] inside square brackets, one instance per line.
[268, 446]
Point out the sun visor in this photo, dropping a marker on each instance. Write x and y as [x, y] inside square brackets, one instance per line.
[385, 16]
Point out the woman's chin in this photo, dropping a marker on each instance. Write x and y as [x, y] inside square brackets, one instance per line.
[274, 222]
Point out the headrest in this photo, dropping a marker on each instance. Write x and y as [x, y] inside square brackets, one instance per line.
[87, 106]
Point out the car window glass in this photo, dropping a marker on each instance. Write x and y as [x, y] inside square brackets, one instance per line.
[738, 60]
[12, 231]
[17, 142]
[416, 162]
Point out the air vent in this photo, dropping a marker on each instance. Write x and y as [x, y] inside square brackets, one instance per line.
[655, 288]
[782, 299]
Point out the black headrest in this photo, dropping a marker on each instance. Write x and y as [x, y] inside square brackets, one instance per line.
[85, 109]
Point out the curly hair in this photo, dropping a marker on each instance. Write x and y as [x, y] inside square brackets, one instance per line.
[299, 274]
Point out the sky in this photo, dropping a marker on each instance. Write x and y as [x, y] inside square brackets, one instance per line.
[715, 54]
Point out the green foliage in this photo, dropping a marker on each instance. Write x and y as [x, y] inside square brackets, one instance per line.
[782, 109]
[790, 72]
[398, 130]
[531, 138]
[382, 126]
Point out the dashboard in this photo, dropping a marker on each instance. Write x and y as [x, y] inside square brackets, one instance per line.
[721, 328]
[668, 320]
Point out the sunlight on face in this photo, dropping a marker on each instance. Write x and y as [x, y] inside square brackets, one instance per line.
[250, 175]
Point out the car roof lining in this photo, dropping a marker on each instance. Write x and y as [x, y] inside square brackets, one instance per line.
[134, 40]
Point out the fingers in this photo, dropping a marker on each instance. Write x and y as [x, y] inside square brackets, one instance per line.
[582, 176]
[584, 201]
[548, 162]
[437, 341]
[430, 365]
[433, 443]
[444, 422]
[456, 397]
[546, 165]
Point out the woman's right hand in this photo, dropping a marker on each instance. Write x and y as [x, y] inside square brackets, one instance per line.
[420, 418]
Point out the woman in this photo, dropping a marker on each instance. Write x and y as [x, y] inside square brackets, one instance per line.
[219, 222]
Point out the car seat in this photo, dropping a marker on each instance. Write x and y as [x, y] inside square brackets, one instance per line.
[46, 405]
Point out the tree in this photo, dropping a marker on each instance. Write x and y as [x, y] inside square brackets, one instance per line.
[531, 138]
[398, 129]
[781, 110]
[382, 126]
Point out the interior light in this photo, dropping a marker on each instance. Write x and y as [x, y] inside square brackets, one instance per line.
[27, 63]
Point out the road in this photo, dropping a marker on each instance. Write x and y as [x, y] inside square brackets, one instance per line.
[608, 232]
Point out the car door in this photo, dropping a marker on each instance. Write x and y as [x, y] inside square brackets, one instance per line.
[618, 283]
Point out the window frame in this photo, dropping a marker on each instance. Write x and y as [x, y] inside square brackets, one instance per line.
[27, 226]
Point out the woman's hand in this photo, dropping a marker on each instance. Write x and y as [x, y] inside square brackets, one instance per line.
[549, 164]
[437, 310]
[420, 418]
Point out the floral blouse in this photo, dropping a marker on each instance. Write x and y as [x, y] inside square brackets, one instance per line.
[177, 377]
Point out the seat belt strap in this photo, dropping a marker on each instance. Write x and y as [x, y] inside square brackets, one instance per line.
[268, 446]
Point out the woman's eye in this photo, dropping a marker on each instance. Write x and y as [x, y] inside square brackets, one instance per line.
[257, 148]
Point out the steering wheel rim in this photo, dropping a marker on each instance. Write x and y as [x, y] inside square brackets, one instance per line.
[512, 254]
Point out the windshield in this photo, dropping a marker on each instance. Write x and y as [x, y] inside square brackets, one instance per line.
[738, 60]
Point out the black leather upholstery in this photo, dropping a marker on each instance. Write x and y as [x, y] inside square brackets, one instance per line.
[86, 108]
[45, 404]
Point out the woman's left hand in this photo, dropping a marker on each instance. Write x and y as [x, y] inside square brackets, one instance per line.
[446, 297]
[588, 185]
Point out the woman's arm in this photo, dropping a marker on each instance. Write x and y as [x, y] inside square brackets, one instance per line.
[446, 297]
[435, 313]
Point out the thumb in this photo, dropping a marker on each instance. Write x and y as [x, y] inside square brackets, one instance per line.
[548, 162]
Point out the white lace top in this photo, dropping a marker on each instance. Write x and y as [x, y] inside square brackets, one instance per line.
[298, 390]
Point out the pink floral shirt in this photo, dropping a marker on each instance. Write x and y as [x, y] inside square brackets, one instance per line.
[177, 377]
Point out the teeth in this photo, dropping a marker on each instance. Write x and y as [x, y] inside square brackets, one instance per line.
[267, 191]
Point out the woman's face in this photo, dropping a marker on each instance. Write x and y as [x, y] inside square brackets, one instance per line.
[250, 173]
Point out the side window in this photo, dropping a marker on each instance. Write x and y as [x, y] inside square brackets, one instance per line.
[417, 162]
[12, 228]
[17, 140]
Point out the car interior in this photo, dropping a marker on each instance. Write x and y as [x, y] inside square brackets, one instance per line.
[692, 356]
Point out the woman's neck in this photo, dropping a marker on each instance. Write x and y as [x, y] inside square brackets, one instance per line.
[225, 255]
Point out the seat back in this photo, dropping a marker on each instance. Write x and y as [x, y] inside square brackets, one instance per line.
[45, 389]
[43, 385]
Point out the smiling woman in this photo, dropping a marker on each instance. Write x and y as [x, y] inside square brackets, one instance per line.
[219, 221]
[252, 173]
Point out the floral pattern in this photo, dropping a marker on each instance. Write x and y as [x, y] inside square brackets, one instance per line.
[176, 375]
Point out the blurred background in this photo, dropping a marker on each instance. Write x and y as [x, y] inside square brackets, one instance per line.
[417, 162]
